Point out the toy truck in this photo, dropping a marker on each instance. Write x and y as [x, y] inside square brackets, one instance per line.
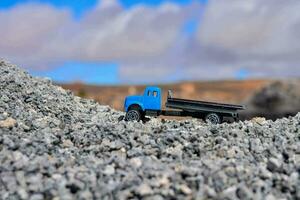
[149, 104]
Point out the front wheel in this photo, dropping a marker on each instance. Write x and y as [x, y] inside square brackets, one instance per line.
[213, 118]
[133, 115]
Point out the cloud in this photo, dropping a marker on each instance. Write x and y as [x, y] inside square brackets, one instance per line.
[139, 32]
[261, 36]
[27, 30]
[39, 35]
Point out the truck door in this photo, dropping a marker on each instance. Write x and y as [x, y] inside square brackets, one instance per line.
[152, 100]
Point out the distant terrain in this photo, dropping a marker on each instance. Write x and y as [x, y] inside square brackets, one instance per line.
[266, 98]
[221, 91]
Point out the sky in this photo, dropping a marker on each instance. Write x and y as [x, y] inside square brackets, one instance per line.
[151, 41]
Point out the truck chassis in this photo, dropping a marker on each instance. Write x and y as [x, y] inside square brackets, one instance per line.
[210, 111]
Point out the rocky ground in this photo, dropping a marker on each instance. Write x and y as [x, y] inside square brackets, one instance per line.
[54, 145]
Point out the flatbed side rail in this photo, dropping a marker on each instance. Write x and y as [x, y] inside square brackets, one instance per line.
[199, 108]
[204, 103]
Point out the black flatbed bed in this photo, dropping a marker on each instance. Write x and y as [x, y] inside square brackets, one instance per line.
[212, 111]
[187, 103]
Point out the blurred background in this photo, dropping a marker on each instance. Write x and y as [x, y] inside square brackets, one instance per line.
[245, 52]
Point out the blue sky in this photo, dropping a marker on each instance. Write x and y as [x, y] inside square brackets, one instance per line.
[91, 73]
[79, 7]
[94, 72]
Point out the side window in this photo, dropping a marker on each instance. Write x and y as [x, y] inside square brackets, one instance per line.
[155, 93]
[149, 93]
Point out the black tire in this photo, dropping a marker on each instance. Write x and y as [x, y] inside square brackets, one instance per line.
[133, 114]
[213, 118]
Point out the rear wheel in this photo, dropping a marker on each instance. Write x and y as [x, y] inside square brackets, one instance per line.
[213, 118]
[133, 114]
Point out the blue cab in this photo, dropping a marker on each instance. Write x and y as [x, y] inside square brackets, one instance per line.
[150, 100]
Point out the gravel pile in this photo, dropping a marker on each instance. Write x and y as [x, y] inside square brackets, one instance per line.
[57, 146]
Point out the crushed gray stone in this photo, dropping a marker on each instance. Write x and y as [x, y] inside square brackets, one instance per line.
[54, 145]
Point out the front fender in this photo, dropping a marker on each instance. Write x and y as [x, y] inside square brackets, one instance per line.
[134, 103]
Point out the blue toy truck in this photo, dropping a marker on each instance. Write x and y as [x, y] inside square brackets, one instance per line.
[149, 104]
